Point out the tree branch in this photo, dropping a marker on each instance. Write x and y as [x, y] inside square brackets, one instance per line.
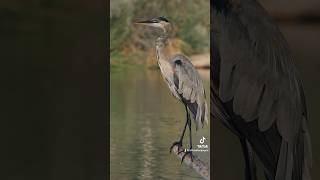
[197, 164]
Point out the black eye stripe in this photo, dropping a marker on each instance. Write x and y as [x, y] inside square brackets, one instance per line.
[163, 19]
[158, 19]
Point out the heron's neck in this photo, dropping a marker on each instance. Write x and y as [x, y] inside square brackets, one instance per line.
[161, 48]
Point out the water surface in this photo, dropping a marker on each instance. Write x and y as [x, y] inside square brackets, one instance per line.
[145, 120]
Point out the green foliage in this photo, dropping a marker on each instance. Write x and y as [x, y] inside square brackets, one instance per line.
[195, 29]
[120, 18]
[190, 18]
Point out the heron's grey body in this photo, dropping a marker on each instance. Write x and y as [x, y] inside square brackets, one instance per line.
[183, 80]
[256, 90]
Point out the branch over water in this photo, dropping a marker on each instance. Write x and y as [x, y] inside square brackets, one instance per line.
[197, 164]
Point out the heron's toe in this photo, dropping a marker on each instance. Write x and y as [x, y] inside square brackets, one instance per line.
[177, 143]
[187, 153]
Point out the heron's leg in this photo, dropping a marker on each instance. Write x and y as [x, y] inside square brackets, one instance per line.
[179, 143]
[185, 125]
[190, 134]
[190, 140]
[250, 169]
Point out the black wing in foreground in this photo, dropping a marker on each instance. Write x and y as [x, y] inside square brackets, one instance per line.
[256, 88]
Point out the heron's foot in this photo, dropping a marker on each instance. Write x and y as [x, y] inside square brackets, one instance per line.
[179, 143]
[189, 152]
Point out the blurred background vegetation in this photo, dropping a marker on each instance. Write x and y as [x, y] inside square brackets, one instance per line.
[132, 45]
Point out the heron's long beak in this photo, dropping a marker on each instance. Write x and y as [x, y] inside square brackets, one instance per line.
[147, 23]
[144, 22]
[150, 23]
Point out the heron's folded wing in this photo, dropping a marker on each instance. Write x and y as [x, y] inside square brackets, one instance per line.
[190, 87]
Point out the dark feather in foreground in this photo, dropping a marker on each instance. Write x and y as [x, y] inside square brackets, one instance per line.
[256, 90]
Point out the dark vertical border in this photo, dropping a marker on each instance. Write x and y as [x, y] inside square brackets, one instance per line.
[211, 73]
[108, 85]
[54, 90]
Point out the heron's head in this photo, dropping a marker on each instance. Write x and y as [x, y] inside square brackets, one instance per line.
[159, 23]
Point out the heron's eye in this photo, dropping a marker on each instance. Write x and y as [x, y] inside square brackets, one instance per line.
[178, 62]
[163, 19]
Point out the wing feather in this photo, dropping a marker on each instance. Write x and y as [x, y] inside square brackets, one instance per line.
[244, 73]
[190, 87]
[257, 76]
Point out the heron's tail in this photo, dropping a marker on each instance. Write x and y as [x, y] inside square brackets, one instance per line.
[202, 115]
[206, 114]
[199, 113]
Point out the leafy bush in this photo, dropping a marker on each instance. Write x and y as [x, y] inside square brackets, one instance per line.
[190, 19]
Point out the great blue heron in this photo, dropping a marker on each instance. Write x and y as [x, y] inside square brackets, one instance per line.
[182, 79]
[256, 90]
